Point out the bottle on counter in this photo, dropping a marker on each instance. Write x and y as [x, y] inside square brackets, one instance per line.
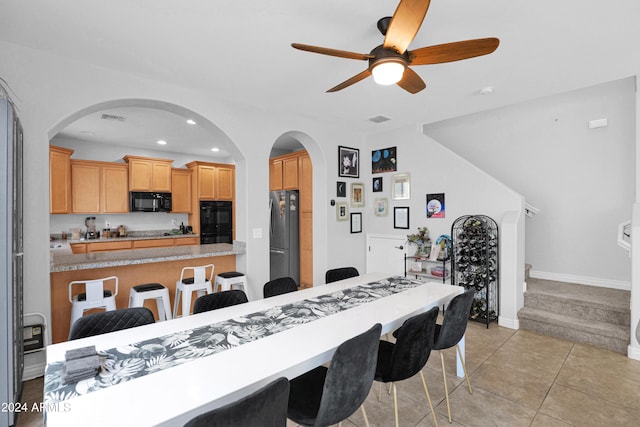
[182, 228]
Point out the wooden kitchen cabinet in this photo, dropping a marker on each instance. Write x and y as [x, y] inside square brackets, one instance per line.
[275, 175]
[284, 171]
[85, 186]
[59, 180]
[306, 183]
[185, 241]
[149, 174]
[114, 190]
[78, 248]
[152, 243]
[108, 246]
[181, 190]
[214, 181]
[99, 187]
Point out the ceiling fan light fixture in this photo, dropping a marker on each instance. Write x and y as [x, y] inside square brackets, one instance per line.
[388, 72]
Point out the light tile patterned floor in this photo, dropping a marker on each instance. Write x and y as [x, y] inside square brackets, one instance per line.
[519, 378]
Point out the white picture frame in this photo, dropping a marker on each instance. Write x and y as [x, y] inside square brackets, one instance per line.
[381, 207]
[401, 186]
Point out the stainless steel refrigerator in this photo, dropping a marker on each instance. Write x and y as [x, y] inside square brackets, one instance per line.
[11, 269]
[284, 235]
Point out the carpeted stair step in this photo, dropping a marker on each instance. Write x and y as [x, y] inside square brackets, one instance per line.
[586, 314]
[587, 331]
[580, 301]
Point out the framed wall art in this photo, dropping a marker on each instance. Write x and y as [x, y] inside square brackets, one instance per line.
[381, 207]
[356, 222]
[357, 195]
[384, 160]
[401, 217]
[348, 162]
[377, 184]
[401, 186]
[342, 211]
[341, 189]
[435, 205]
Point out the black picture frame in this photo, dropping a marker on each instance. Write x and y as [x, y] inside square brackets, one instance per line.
[341, 189]
[401, 217]
[356, 222]
[348, 162]
[384, 160]
[377, 184]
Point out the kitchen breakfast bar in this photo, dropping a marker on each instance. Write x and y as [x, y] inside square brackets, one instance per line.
[132, 267]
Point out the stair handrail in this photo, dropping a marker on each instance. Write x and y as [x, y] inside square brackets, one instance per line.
[530, 210]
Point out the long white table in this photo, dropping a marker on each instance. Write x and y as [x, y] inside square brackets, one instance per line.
[175, 395]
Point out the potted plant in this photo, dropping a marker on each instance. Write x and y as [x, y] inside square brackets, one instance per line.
[421, 240]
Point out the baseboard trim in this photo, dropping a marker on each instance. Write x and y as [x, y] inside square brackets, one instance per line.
[33, 371]
[633, 353]
[509, 323]
[582, 280]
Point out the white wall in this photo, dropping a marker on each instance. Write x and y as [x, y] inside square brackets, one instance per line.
[581, 179]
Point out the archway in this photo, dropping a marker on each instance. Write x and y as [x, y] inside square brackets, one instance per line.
[291, 209]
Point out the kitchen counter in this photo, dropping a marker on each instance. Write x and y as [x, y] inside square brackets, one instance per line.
[60, 246]
[132, 267]
[65, 261]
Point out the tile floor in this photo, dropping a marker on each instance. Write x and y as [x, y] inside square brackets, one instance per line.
[519, 378]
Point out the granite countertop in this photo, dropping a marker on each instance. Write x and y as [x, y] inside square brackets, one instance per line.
[63, 261]
[131, 236]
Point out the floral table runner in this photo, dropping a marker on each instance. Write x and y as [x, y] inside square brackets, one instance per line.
[135, 360]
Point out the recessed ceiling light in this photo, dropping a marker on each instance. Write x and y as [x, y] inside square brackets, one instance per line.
[86, 132]
[162, 142]
[191, 122]
[215, 149]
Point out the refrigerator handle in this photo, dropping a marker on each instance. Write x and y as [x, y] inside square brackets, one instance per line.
[271, 218]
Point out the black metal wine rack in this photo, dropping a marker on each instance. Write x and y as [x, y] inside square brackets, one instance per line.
[474, 264]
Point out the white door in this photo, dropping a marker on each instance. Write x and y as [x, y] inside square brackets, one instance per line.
[385, 254]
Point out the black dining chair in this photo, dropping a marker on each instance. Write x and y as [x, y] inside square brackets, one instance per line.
[449, 334]
[110, 321]
[342, 273]
[219, 300]
[325, 396]
[266, 407]
[282, 285]
[409, 354]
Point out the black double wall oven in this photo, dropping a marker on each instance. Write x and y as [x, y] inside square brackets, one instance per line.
[216, 222]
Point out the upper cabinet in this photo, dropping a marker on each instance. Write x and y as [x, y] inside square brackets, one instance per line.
[149, 174]
[213, 181]
[99, 187]
[181, 190]
[59, 180]
[284, 172]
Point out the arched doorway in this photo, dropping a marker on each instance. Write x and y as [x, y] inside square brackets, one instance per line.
[111, 130]
[290, 206]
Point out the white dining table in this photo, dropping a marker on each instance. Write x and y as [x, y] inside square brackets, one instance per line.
[173, 396]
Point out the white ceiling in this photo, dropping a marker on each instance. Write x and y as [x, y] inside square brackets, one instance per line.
[240, 51]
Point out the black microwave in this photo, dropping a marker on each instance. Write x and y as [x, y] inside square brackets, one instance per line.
[149, 202]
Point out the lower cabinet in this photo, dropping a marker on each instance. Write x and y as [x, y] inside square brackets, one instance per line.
[123, 245]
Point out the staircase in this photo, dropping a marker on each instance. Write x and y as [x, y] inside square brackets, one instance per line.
[585, 314]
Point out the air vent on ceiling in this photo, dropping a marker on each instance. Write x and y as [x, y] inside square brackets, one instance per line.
[379, 119]
[113, 117]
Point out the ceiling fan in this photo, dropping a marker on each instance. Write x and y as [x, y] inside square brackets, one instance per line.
[389, 63]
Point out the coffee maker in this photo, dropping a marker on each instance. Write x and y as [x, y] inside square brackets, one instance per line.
[91, 233]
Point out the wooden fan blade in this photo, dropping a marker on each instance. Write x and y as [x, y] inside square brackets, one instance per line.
[355, 79]
[405, 23]
[411, 81]
[332, 52]
[455, 51]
